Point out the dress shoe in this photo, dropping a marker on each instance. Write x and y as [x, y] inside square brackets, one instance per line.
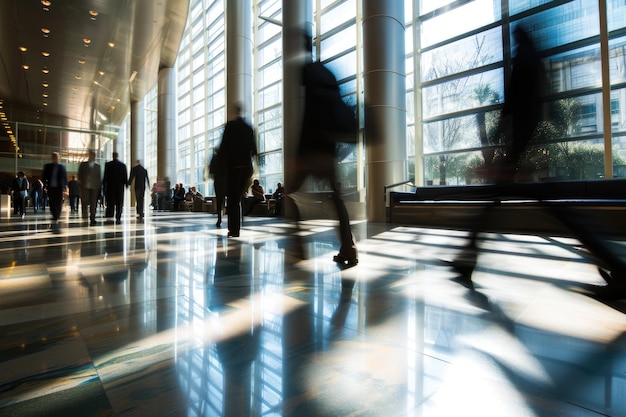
[92, 223]
[347, 256]
[218, 224]
[230, 234]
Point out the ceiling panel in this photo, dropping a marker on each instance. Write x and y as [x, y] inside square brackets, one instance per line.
[103, 54]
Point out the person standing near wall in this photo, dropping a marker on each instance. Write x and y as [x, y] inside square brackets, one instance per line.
[89, 176]
[115, 180]
[55, 184]
[237, 148]
[140, 175]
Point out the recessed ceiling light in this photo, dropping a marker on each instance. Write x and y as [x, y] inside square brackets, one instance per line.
[111, 44]
[45, 95]
[45, 31]
[93, 13]
[45, 103]
[45, 70]
[45, 84]
[45, 53]
[46, 3]
[86, 41]
[101, 72]
[25, 66]
[81, 61]
[78, 77]
[23, 48]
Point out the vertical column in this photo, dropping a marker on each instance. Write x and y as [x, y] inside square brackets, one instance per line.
[166, 125]
[137, 137]
[239, 56]
[385, 101]
[137, 132]
[297, 20]
[606, 91]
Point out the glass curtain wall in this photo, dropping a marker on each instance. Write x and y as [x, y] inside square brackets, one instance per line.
[201, 93]
[464, 64]
[268, 91]
[151, 131]
[336, 40]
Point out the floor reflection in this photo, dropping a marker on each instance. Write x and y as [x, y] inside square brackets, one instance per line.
[170, 317]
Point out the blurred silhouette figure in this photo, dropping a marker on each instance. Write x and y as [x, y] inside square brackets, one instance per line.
[73, 187]
[36, 194]
[90, 179]
[20, 188]
[55, 184]
[237, 148]
[326, 121]
[140, 175]
[115, 181]
[520, 116]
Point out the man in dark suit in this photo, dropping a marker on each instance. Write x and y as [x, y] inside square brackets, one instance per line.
[55, 184]
[238, 147]
[114, 181]
[140, 175]
[90, 178]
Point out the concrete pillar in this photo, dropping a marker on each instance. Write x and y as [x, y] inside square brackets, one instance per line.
[385, 101]
[239, 56]
[137, 138]
[137, 133]
[297, 20]
[166, 125]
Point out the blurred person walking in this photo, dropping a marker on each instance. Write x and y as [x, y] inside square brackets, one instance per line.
[115, 180]
[238, 147]
[140, 175]
[55, 184]
[20, 187]
[90, 178]
[326, 121]
[520, 116]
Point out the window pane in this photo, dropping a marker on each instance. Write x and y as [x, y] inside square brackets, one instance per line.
[338, 43]
[475, 51]
[463, 93]
[337, 15]
[570, 22]
[344, 66]
[574, 69]
[456, 21]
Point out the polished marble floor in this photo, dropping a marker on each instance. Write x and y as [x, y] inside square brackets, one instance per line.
[169, 317]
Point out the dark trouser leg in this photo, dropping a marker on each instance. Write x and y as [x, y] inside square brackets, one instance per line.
[237, 181]
[92, 202]
[55, 197]
[139, 195]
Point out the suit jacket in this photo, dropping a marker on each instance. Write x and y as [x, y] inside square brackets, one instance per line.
[238, 144]
[140, 175]
[48, 169]
[115, 175]
[89, 178]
